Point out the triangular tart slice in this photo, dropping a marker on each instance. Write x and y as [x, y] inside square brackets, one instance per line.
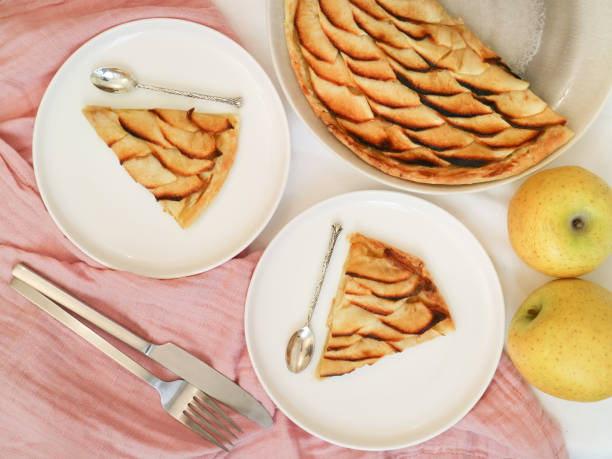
[180, 156]
[386, 302]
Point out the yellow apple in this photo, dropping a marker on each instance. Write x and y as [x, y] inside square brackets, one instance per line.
[560, 340]
[560, 221]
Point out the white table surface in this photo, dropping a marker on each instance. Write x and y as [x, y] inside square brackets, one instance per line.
[316, 173]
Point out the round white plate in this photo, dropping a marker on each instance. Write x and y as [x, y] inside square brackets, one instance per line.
[93, 199]
[560, 47]
[404, 398]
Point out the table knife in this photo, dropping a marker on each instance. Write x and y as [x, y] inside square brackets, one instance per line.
[171, 356]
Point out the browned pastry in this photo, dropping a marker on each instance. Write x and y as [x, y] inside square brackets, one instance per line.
[414, 93]
[386, 302]
[181, 157]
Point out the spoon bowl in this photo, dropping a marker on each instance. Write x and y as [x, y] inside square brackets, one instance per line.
[300, 349]
[111, 79]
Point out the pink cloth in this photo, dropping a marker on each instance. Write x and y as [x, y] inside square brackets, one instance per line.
[62, 398]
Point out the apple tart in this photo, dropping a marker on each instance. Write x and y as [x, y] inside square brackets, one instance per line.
[181, 157]
[386, 302]
[412, 92]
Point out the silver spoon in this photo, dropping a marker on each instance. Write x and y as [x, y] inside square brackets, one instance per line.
[111, 79]
[301, 343]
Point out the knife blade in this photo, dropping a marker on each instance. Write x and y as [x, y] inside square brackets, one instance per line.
[171, 356]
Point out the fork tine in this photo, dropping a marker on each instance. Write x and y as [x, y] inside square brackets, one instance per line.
[202, 420]
[199, 430]
[212, 404]
[204, 410]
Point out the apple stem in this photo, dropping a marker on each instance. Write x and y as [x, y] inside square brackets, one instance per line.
[533, 312]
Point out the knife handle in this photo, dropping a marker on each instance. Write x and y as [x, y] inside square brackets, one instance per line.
[69, 302]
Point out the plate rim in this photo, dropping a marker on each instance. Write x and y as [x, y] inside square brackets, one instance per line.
[497, 291]
[276, 101]
[331, 143]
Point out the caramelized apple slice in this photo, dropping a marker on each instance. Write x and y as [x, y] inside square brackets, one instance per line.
[476, 151]
[396, 290]
[177, 118]
[377, 330]
[383, 31]
[143, 123]
[518, 104]
[463, 104]
[548, 117]
[310, 33]
[178, 189]
[409, 318]
[339, 14]
[106, 123]
[373, 303]
[210, 122]
[417, 10]
[408, 57]
[371, 132]
[371, 7]
[174, 208]
[398, 140]
[339, 342]
[178, 163]
[380, 269]
[377, 69]
[349, 319]
[197, 144]
[464, 61]
[341, 100]
[511, 137]
[355, 288]
[485, 53]
[439, 82]
[442, 137]
[149, 172]
[481, 124]
[420, 117]
[494, 79]
[417, 155]
[336, 73]
[357, 46]
[361, 350]
[130, 147]
[390, 93]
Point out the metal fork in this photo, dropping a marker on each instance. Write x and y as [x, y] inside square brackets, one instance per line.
[183, 401]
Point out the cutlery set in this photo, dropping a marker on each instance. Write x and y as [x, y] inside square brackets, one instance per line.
[190, 400]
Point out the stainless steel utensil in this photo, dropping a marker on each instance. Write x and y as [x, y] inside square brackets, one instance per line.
[119, 81]
[301, 343]
[176, 359]
[183, 401]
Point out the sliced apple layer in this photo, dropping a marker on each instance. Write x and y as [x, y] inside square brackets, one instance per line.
[181, 157]
[386, 302]
[365, 64]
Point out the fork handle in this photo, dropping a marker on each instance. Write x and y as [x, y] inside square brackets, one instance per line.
[69, 302]
[82, 330]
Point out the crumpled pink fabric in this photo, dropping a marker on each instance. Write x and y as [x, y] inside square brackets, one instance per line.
[63, 398]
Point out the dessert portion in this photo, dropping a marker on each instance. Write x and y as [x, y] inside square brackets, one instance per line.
[412, 92]
[386, 302]
[181, 157]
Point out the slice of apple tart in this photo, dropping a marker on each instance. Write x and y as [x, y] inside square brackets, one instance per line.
[181, 157]
[412, 92]
[386, 302]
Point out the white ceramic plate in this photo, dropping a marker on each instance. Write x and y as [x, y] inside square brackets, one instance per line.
[404, 398]
[97, 204]
[561, 47]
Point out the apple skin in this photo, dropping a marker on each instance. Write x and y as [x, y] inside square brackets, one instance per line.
[560, 340]
[560, 221]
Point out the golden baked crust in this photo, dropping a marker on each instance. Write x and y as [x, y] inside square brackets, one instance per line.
[386, 302]
[181, 157]
[415, 94]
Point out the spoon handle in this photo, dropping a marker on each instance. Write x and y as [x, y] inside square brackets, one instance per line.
[235, 101]
[336, 229]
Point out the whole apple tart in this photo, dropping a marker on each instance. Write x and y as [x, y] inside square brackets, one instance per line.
[412, 92]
